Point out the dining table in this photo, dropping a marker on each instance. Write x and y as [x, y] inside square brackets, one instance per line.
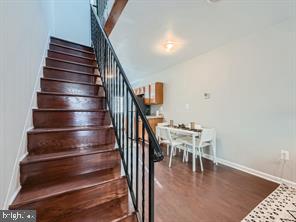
[193, 133]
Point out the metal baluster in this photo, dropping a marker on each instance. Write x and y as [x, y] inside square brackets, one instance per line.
[123, 119]
[127, 129]
[143, 172]
[137, 159]
[111, 81]
[120, 108]
[118, 105]
[151, 182]
[111, 85]
[132, 134]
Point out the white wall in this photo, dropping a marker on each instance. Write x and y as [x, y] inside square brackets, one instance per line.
[252, 83]
[25, 28]
[72, 20]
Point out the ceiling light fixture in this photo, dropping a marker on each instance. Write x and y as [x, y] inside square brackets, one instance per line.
[169, 45]
[212, 1]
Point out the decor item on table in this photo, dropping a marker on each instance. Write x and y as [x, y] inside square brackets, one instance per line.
[171, 123]
[279, 206]
[182, 126]
[192, 125]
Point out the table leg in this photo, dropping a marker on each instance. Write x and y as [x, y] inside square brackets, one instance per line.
[193, 154]
[214, 150]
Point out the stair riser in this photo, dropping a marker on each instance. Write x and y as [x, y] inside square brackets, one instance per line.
[54, 170]
[69, 102]
[71, 58]
[70, 66]
[66, 204]
[70, 44]
[41, 143]
[71, 76]
[58, 119]
[71, 88]
[71, 51]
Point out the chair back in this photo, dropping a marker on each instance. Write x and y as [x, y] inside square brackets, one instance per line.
[207, 135]
[165, 134]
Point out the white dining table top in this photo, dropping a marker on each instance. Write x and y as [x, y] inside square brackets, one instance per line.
[179, 130]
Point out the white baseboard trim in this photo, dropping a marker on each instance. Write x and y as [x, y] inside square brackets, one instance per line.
[14, 185]
[251, 171]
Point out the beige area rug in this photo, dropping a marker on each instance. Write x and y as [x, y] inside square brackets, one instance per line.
[279, 206]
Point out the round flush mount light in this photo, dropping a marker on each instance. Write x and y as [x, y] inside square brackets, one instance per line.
[169, 46]
[213, 1]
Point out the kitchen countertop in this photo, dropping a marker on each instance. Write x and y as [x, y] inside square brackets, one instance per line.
[155, 117]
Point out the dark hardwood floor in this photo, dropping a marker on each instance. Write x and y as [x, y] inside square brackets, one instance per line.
[220, 194]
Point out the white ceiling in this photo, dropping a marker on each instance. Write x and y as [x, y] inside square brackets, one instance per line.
[196, 26]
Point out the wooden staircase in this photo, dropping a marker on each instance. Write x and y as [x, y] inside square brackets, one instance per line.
[72, 171]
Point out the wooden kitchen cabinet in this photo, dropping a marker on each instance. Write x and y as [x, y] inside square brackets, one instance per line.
[147, 95]
[156, 93]
[153, 93]
[153, 123]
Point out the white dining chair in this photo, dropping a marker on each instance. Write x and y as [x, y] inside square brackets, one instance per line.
[174, 143]
[207, 139]
[163, 137]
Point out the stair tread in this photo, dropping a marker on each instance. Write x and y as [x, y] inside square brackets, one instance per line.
[32, 194]
[65, 53]
[72, 48]
[68, 110]
[66, 154]
[75, 63]
[70, 70]
[86, 46]
[67, 94]
[106, 212]
[69, 81]
[76, 128]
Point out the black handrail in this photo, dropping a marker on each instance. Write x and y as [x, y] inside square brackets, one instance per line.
[129, 122]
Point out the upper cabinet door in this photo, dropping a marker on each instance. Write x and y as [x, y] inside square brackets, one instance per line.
[156, 93]
[147, 95]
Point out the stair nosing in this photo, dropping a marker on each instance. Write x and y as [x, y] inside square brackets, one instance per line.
[74, 95]
[75, 63]
[67, 110]
[124, 217]
[69, 70]
[75, 49]
[66, 53]
[69, 81]
[62, 155]
[39, 198]
[53, 37]
[67, 129]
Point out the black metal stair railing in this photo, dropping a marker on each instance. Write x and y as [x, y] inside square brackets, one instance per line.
[129, 122]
